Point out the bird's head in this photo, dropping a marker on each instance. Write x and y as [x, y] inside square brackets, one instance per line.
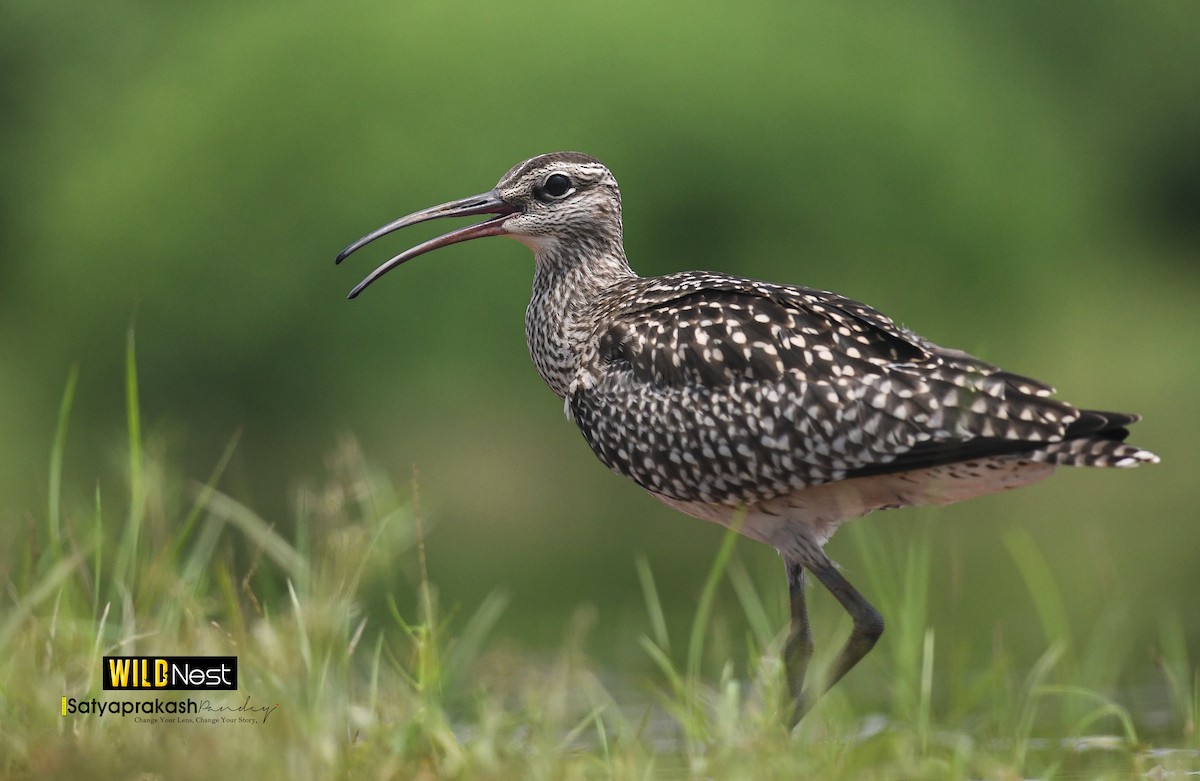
[560, 205]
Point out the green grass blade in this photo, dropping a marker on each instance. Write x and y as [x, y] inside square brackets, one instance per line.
[125, 570]
[925, 700]
[185, 528]
[763, 628]
[695, 651]
[133, 416]
[1029, 696]
[468, 645]
[1105, 707]
[260, 533]
[658, 621]
[1190, 726]
[97, 647]
[54, 510]
[37, 595]
[195, 567]
[303, 640]
[664, 664]
[98, 552]
[1039, 580]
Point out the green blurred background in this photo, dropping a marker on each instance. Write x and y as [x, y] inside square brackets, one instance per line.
[1017, 179]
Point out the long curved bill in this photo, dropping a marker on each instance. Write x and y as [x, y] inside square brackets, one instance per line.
[487, 203]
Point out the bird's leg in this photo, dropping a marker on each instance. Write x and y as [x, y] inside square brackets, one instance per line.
[868, 623]
[798, 648]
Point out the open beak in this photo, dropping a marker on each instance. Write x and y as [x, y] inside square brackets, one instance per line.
[487, 203]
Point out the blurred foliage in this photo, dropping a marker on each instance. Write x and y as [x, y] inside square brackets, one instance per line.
[1018, 179]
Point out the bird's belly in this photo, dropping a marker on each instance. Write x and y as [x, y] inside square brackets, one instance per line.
[816, 512]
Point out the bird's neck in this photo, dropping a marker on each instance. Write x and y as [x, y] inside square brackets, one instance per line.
[558, 322]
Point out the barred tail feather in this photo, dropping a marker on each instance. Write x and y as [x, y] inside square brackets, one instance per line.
[1096, 439]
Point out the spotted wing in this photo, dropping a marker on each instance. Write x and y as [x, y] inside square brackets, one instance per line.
[713, 388]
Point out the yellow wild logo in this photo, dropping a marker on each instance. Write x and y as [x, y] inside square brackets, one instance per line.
[171, 673]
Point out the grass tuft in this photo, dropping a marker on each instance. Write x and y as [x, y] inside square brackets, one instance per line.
[339, 631]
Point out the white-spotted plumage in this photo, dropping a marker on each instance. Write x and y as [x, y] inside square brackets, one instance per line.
[787, 409]
[676, 366]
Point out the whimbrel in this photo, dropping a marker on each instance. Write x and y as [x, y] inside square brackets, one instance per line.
[786, 409]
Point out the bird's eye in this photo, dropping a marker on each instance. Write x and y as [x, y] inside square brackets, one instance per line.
[555, 186]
